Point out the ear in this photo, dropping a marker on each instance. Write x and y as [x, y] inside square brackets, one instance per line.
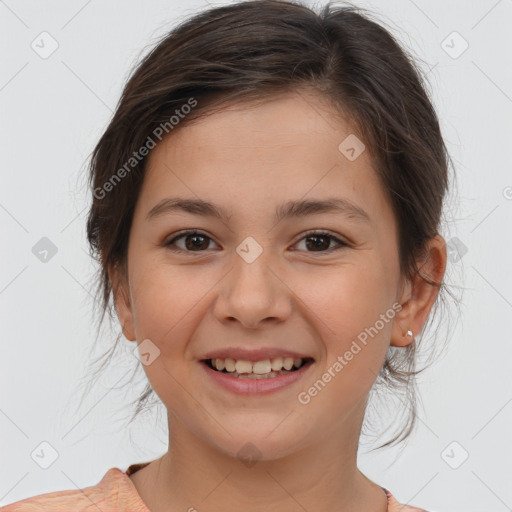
[419, 296]
[121, 291]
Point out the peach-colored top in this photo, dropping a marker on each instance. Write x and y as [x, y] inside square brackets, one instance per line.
[116, 493]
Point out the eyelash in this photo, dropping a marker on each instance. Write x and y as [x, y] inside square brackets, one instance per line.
[309, 234]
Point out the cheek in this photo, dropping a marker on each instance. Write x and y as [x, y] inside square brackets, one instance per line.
[166, 305]
[165, 299]
[353, 316]
[352, 309]
[347, 297]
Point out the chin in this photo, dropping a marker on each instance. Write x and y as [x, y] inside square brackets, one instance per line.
[251, 446]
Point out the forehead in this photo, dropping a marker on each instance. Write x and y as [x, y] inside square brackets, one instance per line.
[255, 156]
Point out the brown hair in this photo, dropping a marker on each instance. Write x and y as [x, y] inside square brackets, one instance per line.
[252, 50]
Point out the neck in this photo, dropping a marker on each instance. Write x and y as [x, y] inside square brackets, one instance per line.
[196, 475]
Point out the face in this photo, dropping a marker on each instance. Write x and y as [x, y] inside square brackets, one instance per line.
[252, 280]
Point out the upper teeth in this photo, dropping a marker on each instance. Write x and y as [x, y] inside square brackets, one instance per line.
[259, 367]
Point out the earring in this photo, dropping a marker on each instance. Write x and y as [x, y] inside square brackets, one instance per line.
[409, 333]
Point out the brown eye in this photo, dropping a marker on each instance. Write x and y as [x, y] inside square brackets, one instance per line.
[194, 241]
[320, 241]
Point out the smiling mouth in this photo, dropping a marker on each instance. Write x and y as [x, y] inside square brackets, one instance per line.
[260, 370]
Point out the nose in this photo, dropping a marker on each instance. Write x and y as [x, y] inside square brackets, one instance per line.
[253, 294]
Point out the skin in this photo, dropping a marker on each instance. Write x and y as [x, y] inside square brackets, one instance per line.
[249, 159]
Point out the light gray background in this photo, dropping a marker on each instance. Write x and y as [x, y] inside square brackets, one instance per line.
[53, 110]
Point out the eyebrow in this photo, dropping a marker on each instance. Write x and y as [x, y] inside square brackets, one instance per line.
[300, 208]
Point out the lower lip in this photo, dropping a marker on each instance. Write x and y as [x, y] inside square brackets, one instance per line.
[256, 386]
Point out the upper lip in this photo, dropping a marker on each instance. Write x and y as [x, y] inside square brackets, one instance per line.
[254, 355]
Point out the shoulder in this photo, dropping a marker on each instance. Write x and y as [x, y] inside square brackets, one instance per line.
[395, 506]
[112, 494]
[58, 501]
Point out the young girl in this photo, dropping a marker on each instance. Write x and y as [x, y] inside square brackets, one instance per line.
[265, 208]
